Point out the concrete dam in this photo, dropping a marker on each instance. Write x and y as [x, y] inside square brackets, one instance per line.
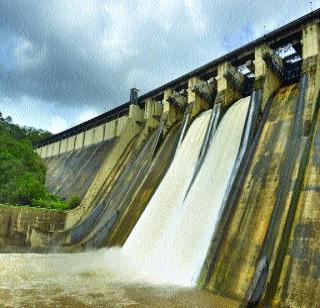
[209, 182]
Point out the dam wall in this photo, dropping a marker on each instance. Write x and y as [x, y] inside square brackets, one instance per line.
[297, 283]
[15, 222]
[108, 173]
[67, 174]
[90, 136]
[260, 253]
[211, 179]
[107, 203]
[238, 252]
[77, 171]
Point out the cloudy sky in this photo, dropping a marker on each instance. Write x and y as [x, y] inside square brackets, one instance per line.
[65, 61]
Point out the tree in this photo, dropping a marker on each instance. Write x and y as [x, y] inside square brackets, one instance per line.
[22, 172]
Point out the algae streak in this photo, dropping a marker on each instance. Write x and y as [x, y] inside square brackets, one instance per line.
[299, 283]
[145, 191]
[242, 244]
[72, 173]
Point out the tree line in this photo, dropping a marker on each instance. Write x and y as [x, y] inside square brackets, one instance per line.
[22, 172]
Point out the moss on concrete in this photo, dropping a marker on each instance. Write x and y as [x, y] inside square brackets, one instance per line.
[67, 174]
[144, 192]
[242, 244]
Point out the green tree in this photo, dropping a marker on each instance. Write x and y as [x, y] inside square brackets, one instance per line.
[22, 172]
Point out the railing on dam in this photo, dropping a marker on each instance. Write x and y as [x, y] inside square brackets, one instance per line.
[290, 34]
[103, 118]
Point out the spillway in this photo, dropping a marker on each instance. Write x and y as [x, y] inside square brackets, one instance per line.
[169, 194]
[172, 237]
[195, 219]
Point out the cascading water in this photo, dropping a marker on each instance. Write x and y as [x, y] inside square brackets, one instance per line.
[170, 193]
[170, 241]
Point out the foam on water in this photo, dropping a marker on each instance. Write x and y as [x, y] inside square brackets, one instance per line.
[178, 232]
[189, 232]
[169, 194]
[85, 280]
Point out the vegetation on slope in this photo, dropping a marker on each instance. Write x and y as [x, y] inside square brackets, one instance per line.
[22, 172]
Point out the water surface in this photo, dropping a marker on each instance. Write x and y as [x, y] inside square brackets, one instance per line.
[90, 279]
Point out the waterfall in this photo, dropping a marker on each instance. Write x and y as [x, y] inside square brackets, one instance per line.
[171, 239]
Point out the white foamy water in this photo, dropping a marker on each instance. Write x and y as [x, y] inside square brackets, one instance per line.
[169, 194]
[178, 233]
[86, 280]
[181, 250]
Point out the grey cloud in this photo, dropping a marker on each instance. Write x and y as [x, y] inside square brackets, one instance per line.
[92, 52]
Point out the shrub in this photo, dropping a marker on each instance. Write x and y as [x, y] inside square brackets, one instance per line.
[74, 202]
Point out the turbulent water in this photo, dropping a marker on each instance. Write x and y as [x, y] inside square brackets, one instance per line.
[86, 280]
[181, 250]
[167, 246]
[169, 194]
[172, 237]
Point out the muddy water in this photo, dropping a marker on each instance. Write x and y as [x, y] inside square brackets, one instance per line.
[91, 279]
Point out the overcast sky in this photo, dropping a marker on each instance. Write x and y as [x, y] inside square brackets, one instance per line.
[65, 61]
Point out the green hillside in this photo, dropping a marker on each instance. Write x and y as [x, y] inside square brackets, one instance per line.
[22, 172]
